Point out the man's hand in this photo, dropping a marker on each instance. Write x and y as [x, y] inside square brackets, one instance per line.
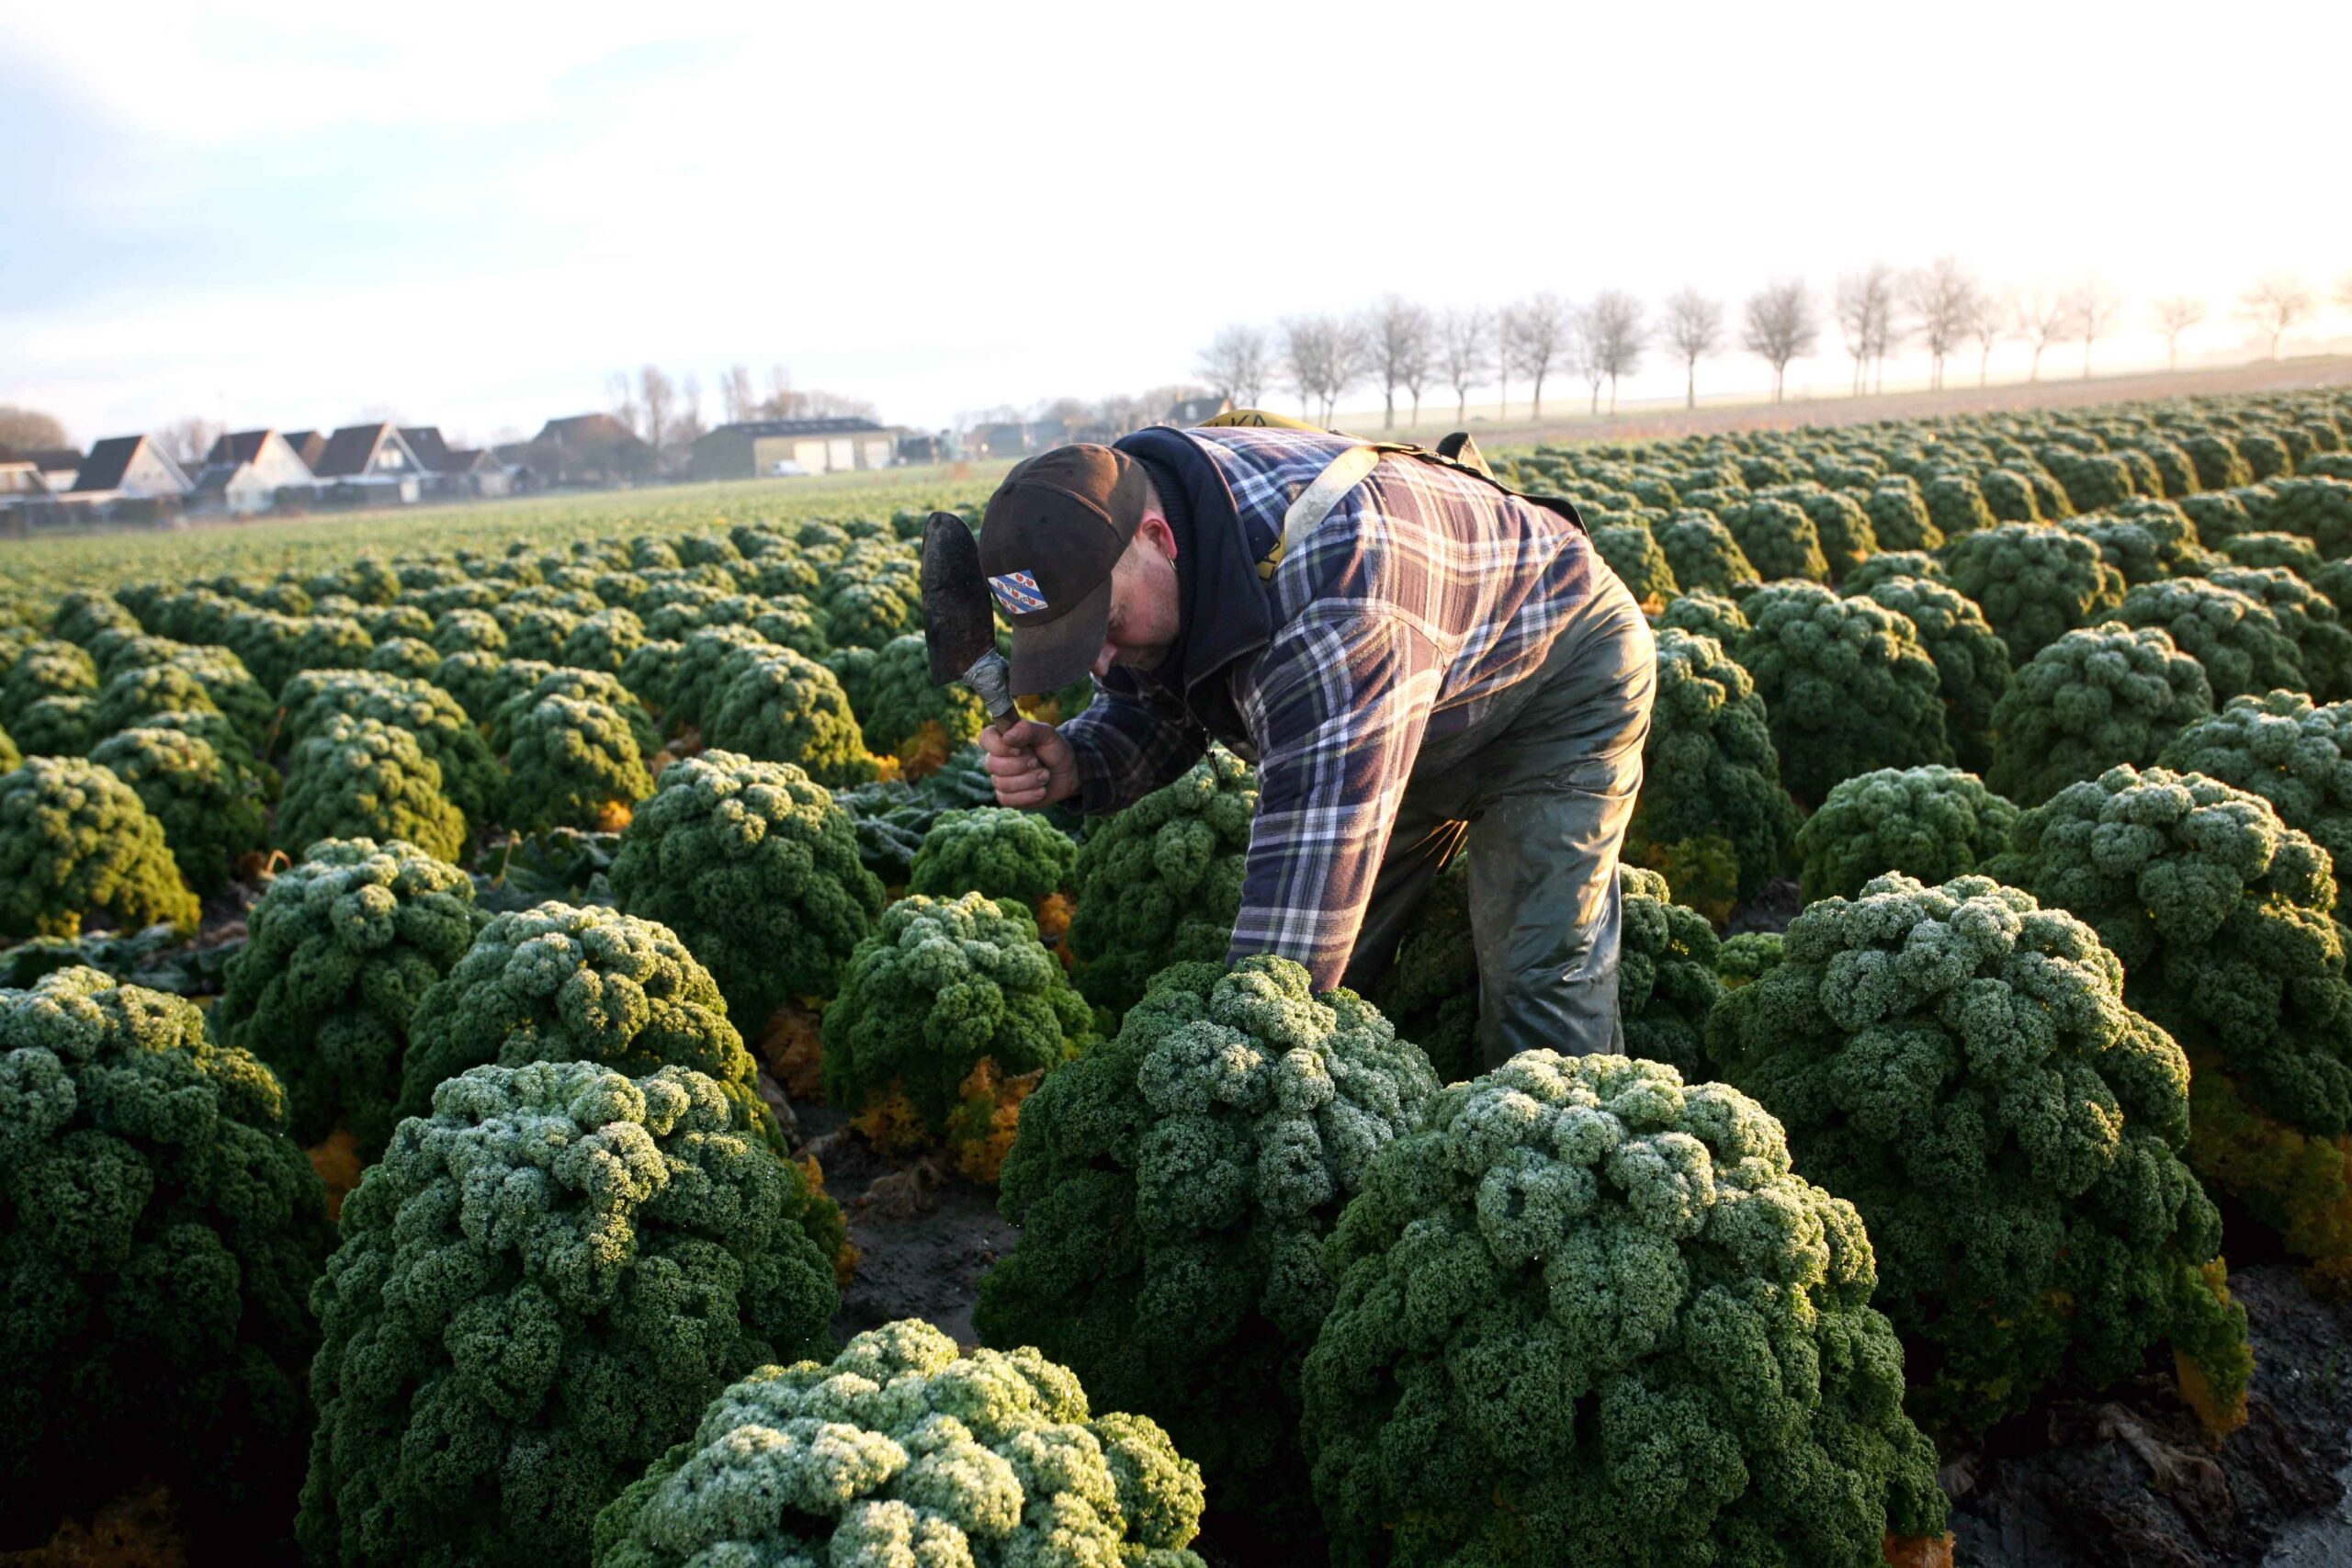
[1031, 764]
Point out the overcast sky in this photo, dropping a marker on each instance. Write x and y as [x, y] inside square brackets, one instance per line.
[473, 214]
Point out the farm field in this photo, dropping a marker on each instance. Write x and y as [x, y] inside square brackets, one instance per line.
[523, 1037]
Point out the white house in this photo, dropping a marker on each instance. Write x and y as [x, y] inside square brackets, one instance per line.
[129, 468]
[244, 472]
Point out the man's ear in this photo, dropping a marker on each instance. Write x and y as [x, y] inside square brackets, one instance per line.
[1154, 527]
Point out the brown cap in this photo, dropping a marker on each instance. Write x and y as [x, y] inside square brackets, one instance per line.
[1051, 534]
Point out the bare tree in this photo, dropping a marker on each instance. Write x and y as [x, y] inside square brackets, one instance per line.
[30, 430]
[1419, 363]
[1462, 340]
[686, 426]
[1539, 331]
[1618, 332]
[1325, 357]
[657, 395]
[620, 392]
[186, 441]
[1942, 294]
[1503, 332]
[2043, 317]
[2274, 305]
[1395, 335]
[2175, 316]
[1989, 317]
[2091, 308]
[1584, 352]
[736, 396]
[1779, 326]
[1864, 304]
[1693, 328]
[1235, 363]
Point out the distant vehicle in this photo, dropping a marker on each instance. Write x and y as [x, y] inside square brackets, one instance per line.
[786, 469]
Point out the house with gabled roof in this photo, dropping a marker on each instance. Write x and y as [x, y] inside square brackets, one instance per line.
[307, 445]
[249, 471]
[582, 450]
[369, 463]
[131, 467]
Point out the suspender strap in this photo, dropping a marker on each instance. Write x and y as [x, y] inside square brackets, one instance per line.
[1315, 503]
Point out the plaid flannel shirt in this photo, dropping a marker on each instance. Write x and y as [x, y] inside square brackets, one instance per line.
[1421, 597]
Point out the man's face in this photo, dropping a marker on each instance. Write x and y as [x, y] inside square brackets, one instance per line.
[1147, 607]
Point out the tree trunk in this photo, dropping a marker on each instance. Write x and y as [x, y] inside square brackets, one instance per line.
[1690, 382]
[2172, 354]
[1984, 365]
[1417, 407]
[1612, 397]
[1388, 412]
[1462, 405]
[2086, 359]
[2036, 374]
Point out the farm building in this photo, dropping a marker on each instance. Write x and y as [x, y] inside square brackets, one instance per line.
[57, 466]
[582, 449]
[307, 445]
[753, 448]
[244, 472]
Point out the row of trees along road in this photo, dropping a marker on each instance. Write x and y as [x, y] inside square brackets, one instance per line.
[1410, 350]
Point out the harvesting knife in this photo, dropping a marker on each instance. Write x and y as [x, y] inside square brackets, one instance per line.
[958, 627]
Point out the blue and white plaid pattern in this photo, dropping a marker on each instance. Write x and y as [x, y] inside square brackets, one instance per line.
[1017, 592]
[1421, 597]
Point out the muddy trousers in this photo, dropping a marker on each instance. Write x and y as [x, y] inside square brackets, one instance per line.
[1538, 793]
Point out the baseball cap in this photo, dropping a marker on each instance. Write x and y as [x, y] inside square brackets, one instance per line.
[1051, 534]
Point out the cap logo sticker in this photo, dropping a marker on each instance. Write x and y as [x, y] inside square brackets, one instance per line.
[1017, 592]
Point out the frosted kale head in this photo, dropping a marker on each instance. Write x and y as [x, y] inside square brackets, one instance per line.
[1666, 978]
[1588, 1313]
[77, 841]
[781, 707]
[1160, 882]
[2309, 619]
[1703, 553]
[1632, 553]
[540, 1286]
[1933, 823]
[2292, 753]
[1893, 563]
[1972, 662]
[1960, 1064]
[344, 944]
[2035, 583]
[573, 762]
[1705, 614]
[469, 774]
[360, 778]
[1174, 1186]
[2095, 698]
[2241, 645]
[901, 712]
[756, 870]
[995, 850]
[1778, 539]
[207, 805]
[158, 1234]
[1711, 816]
[2145, 539]
[902, 1452]
[2224, 918]
[562, 983]
[1845, 684]
[941, 986]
